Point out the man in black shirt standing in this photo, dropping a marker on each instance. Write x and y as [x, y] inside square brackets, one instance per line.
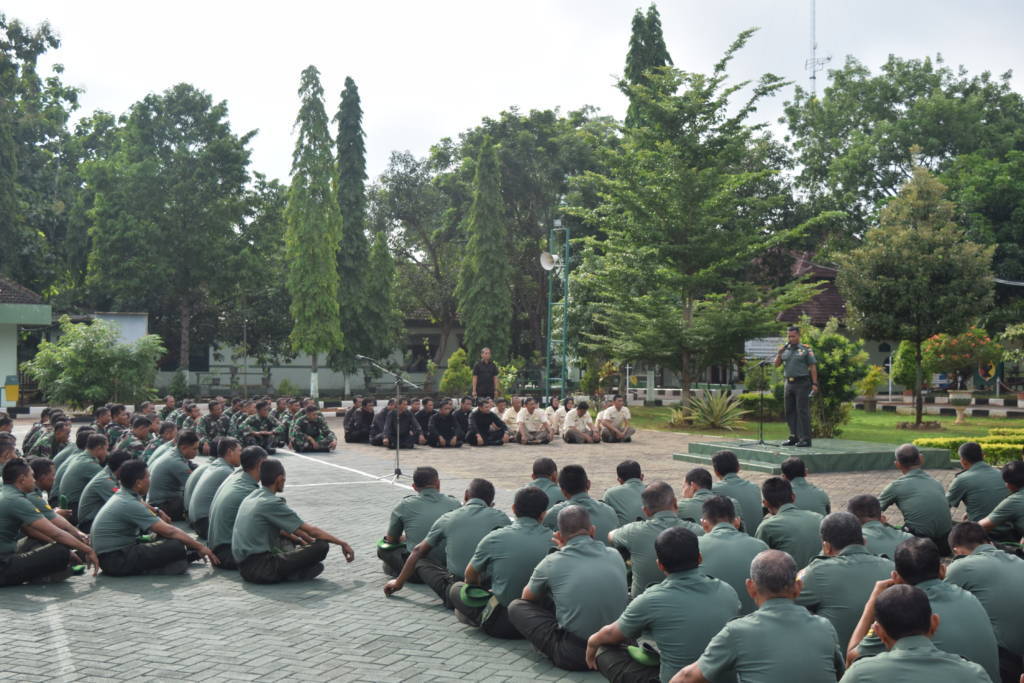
[485, 376]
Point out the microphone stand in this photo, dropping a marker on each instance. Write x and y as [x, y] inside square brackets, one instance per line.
[399, 380]
[760, 405]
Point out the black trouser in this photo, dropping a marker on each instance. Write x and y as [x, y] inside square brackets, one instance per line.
[798, 407]
[202, 527]
[438, 578]
[539, 625]
[942, 541]
[85, 526]
[227, 560]
[618, 666]
[1011, 666]
[143, 558]
[357, 435]
[322, 446]
[173, 508]
[432, 441]
[33, 561]
[491, 438]
[394, 559]
[497, 624]
[405, 441]
[266, 442]
[277, 567]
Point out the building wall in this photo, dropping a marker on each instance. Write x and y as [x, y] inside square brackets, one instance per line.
[133, 326]
[8, 356]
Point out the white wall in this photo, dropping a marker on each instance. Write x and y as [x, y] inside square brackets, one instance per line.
[133, 326]
[8, 356]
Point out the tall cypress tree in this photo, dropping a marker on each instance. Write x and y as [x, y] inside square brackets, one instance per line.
[381, 314]
[313, 232]
[647, 50]
[483, 290]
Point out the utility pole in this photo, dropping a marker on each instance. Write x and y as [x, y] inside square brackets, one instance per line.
[815, 63]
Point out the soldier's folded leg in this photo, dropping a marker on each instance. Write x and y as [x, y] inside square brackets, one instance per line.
[393, 559]
[470, 612]
[173, 508]
[227, 559]
[1011, 666]
[538, 624]
[37, 562]
[158, 557]
[278, 567]
[438, 578]
[617, 665]
[202, 527]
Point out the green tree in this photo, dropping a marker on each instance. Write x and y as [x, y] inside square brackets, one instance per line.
[88, 366]
[313, 232]
[647, 50]
[842, 363]
[381, 312]
[458, 376]
[483, 290]
[916, 274]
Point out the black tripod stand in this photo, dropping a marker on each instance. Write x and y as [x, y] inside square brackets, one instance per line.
[760, 405]
[399, 381]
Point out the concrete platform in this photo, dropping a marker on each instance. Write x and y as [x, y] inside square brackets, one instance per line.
[825, 455]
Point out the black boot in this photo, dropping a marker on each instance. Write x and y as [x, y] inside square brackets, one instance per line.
[792, 441]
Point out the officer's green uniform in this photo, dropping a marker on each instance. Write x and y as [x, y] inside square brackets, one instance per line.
[1010, 512]
[78, 474]
[66, 453]
[115, 538]
[979, 488]
[45, 447]
[462, 530]
[203, 493]
[554, 493]
[727, 554]
[223, 511]
[780, 642]
[167, 484]
[602, 516]
[810, 497]
[97, 492]
[36, 498]
[17, 563]
[115, 431]
[62, 470]
[301, 427]
[747, 493]
[161, 450]
[796, 368]
[151, 448]
[133, 445]
[915, 659]
[414, 516]
[922, 501]
[794, 531]
[680, 614]
[256, 541]
[193, 481]
[964, 627]
[626, 501]
[882, 539]
[209, 428]
[255, 423]
[997, 580]
[638, 538]
[838, 587]
[692, 509]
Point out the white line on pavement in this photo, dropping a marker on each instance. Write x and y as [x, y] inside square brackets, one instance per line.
[349, 469]
[339, 483]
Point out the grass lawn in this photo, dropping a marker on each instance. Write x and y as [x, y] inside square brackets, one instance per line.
[876, 427]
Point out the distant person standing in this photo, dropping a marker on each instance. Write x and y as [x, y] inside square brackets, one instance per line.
[485, 376]
[801, 372]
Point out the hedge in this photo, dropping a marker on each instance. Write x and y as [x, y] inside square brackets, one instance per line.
[1005, 431]
[773, 406]
[997, 450]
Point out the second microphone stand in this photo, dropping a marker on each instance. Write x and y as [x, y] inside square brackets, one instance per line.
[398, 381]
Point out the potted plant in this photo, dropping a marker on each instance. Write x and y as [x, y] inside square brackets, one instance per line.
[868, 387]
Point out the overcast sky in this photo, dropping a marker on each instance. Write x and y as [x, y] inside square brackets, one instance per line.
[427, 70]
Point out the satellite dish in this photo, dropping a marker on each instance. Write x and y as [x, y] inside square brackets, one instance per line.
[548, 261]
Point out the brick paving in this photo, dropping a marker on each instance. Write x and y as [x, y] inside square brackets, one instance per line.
[209, 625]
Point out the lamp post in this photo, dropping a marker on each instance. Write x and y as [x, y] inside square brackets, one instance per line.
[551, 261]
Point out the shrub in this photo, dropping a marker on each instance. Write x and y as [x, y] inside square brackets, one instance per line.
[903, 366]
[178, 387]
[997, 449]
[712, 410]
[842, 363]
[286, 388]
[774, 409]
[961, 352]
[1003, 431]
[458, 376]
[756, 377]
[875, 376]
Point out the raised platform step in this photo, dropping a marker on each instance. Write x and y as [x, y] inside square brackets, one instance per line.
[747, 465]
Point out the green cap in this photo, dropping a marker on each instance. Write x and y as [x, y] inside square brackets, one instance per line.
[78, 569]
[644, 656]
[474, 596]
[384, 545]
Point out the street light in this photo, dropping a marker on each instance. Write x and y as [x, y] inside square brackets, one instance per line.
[557, 263]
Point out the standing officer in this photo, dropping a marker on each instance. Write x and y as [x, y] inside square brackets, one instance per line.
[801, 372]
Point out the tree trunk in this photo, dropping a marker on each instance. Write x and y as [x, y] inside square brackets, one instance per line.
[685, 377]
[918, 400]
[347, 387]
[184, 347]
[314, 380]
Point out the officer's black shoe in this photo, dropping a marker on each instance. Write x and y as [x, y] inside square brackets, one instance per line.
[793, 441]
[804, 444]
[192, 556]
[271, 451]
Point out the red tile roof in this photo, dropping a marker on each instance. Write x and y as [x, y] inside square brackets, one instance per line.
[13, 293]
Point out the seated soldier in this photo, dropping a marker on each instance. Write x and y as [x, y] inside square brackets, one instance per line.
[358, 422]
[732, 485]
[789, 528]
[485, 427]
[510, 416]
[120, 421]
[167, 436]
[125, 516]
[403, 425]
[42, 472]
[625, 498]
[310, 434]
[578, 427]
[503, 562]
[263, 519]
[1011, 510]
[879, 537]
[167, 407]
[281, 407]
[575, 486]
[235, 421]
[100, 419]
[807, 495]
[905, 624]
[802, 647]
[532, 424]
[285, 422]
[555, 413]
[192, 416]
[79, 471]
[226, 501]
[463, 413]
[696, 491]
[71, 448]
[37, 429]
[460, 531]
[680, 614]
[996, 578]
[636, 539]
[545, 477]
[51, 444]
[424, 414]
[44, 554]
[837, 585]
[585, 581]
[99, 489]
[210, 428]
[136, 440]
[979, 486]
[170, 474]
[726, 551]
[412, 519]
[260, 429]
[81, 443]
[444, 430]
[615, 425]
[920, 498]
[964, 628]
[377, 426]
[229, 456]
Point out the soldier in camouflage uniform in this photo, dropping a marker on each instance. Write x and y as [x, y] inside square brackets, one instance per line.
[49, 445]
[100, 419]
[285, 423]
[260, 429]
[36, 428]
[167, 408]
[167, 433]
[309, 433]
[280, 409]
[6, 429]
[192, 417]
[181, 415]
[137, 439]
[210, 427]
[235, 430]
[236, 405]
[119, 423]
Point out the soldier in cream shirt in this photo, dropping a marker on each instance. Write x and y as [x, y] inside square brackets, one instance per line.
[510, 416]
[579, 427]
[614, 422]
[533, 426]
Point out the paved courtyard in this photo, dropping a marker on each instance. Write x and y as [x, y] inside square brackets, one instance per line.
[209, 625]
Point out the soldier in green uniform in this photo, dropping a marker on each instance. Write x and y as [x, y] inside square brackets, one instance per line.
[585, 581]
[260, 429]
[879, 537]
[80, 471]
[183, 413]
[545, 477]
[235, 423]
[81, 448]
[49, 445]
[100, 488]
[920, 498]
[165, 439]
[964, 627]
[625, 498]
[42, 472]
[285, 422]
[167, 408]
[789, 528]
[192, 417]
[905, 623]
[503, 562]
[101, 419]
[229, 456]
[227, 500]
[209, 428]
[575, 486]
[44, 554]
[281, 408]
[680, 614]
[697, 491]
[118, 423]
[808, 496]
[636, 539]
[137, 439]
[170, 472]
[1011, 511]
[37, 429]
[309, 433]
[731, 484]
[73, 447]
[725, 550]
[412, 519]
[229, 413]
[461, 531]
[996, 578]
[979, 486]
[801, 373]
[256, 539]
[837, 584]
